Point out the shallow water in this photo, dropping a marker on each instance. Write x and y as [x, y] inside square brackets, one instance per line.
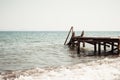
[42, 55]
[101, 69]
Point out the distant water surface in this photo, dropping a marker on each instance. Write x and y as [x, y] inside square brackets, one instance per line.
[21, 50]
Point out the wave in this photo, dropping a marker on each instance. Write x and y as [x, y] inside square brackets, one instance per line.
[104, 69]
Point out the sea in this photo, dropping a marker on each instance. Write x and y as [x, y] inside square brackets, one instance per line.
[42, 55]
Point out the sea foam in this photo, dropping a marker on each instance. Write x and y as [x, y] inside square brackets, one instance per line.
[104, 69]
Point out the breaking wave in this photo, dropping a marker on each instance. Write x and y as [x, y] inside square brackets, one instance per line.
[103, 69]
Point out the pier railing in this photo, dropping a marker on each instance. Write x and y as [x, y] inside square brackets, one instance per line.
[70, 31]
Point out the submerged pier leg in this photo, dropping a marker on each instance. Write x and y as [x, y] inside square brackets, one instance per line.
[83, 43]
[104, 46]
[112, 47]
[95, 48]
[118, 47]
[104, 43]
[78, 48]
[99, 48]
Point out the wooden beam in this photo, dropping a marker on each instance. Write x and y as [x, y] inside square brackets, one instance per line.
[96, 39]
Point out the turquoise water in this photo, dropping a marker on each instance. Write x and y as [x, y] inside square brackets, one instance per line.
[21, 50]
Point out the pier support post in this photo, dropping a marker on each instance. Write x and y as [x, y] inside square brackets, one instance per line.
[118, 47]
[112, 47]
[104, 46]
[104, 43]
[95, 48]
[83, 43]
[78, 48]
[99, 48]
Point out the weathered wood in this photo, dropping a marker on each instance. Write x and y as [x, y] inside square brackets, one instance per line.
[104, 46]
[111, 43]
[83, 43]
[82, 34]
[99, 48]
[112, 47]
[118, 47]
[91, 42]
[78, 48]
[95, 48]
[97, 42]
[96, 39]
[71, 30]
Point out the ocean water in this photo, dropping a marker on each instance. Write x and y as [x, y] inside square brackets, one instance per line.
[42, 55]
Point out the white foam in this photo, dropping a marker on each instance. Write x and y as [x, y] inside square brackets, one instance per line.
[106, 69]
[24, 78]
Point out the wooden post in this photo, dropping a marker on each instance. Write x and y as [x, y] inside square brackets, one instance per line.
[83, 43]
[78, 48]
[72, 39]
[82, 34]
[104, 46]
[118, 47]
[99, 48]
[95, 48]
[112, 47]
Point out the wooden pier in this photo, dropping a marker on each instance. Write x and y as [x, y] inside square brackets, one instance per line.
[97, 42]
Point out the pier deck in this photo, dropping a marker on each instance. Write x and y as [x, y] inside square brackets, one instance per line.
[97, 42]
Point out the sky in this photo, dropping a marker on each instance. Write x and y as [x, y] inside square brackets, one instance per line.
[59, 15]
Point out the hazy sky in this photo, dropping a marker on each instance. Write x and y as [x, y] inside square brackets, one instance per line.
[60, 14]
